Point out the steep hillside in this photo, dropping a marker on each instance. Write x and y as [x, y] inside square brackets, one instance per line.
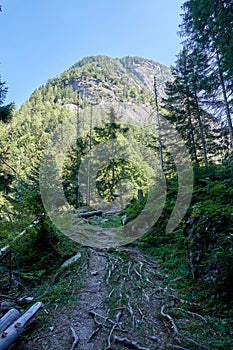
[136, 72]
[125, 85]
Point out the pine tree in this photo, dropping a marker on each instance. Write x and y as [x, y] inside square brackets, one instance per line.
[110, 132]
[184, 102]
[7, 171]
[5, 110]
[209, 27]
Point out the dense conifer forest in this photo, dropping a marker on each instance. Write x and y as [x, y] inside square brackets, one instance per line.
[122, 103]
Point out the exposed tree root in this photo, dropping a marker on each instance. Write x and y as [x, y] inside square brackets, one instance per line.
[192, 314]
[76, 338]
[189, 340]
[129, 343]
[169, 318]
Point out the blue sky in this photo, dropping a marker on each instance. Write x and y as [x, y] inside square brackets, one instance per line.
[42, 38]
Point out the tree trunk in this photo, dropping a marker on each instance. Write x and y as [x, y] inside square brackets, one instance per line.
[8, 319]
[89, 214]
[226, 103]
[203, 141]
[159, 128]
[89, 161]
[11, 334]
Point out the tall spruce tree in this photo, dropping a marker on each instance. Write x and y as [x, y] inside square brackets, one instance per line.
[209, 26]
[184, 102]
[5, 110]
[7, 171]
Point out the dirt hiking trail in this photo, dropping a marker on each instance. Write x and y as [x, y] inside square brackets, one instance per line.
[122, 304]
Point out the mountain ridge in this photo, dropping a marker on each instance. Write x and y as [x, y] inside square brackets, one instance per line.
[136, 70]
[125, 85]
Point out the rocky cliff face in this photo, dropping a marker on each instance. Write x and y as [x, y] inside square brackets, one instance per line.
[125, 84]
[136, 72]
[145, 70]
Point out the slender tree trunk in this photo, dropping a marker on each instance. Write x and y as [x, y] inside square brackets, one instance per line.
[226, 103]
[159, 128]
[194, 151]
[203, 141]
[77, 200]
[112, 163]
[89, 160]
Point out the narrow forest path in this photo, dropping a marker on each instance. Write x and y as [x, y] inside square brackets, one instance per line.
[122, 304]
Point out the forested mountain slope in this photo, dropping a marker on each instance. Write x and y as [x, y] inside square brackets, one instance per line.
[153, 286]
[126, 85]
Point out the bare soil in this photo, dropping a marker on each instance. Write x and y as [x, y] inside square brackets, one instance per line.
[121, 305]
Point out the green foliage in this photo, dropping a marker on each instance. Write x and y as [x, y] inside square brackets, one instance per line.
[199, 129]
[134, 209]
[5, 110]
[206, 234]
[206, 231]
[207, 29]
[41, 250]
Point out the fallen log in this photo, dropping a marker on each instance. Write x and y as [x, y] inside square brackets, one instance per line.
[89, 214]
[71, 260]
[12, 333]
[8, 319]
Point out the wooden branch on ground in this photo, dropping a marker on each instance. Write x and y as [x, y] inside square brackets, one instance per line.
[129, 343]
[11, 333]
[109, 213]
[71, 260]
[16, 299]
[170, 319]
[76, 338]
[89, 214]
